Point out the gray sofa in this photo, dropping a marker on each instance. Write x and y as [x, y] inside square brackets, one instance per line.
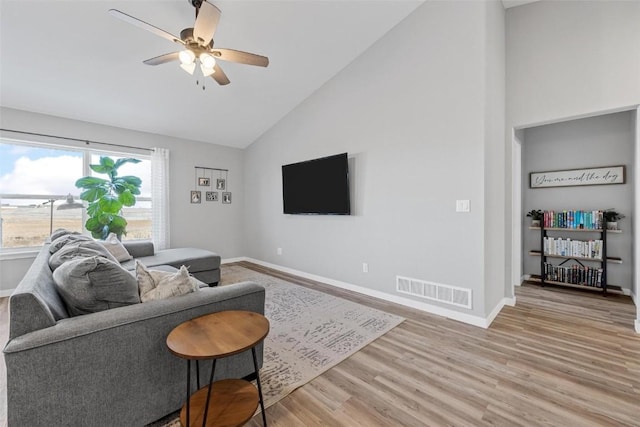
[110, 368]
[204, 265]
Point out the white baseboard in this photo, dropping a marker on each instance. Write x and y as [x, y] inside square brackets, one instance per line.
[494, 313]
[628, 293]
[231, 260]
[636, 301]
[440, 311]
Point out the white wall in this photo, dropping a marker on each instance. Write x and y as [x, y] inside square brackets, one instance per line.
[595, 141]
[209, 225]
[495, 277]
[411, 113]
[567, 58]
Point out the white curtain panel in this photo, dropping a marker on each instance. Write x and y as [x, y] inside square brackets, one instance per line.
[160, 198]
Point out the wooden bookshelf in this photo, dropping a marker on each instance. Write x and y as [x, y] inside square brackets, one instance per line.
[569, 269]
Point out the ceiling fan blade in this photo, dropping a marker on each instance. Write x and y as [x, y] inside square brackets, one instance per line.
[163, 59]
[232, 55]
[220, 76]
[145, 26]
[206, 22]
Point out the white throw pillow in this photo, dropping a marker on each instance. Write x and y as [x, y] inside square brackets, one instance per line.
[115, 247]
[157, 284]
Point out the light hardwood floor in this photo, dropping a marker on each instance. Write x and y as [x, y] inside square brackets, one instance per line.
[558, 358]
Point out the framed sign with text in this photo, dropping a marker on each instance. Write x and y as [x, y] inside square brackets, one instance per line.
[574, 177]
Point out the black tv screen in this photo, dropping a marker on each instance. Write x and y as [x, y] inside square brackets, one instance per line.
[319, 186]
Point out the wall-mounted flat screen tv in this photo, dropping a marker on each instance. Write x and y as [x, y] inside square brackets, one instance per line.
[318, 186]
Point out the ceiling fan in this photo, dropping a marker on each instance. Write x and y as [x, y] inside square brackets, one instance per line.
[197, 43]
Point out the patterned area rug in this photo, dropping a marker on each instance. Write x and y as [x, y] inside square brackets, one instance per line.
[310, 332]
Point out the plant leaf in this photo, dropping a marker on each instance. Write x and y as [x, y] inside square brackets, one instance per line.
[134, 190]
[93, 194]
[93, 209]
[90, 182]
[118, 225]
[127, 198]
[105, 218]
[121, 162]
[107, 162]
[100, 168]
[132, 180]
[119, 187]
[93, 225]
[110, 204]
[123, 183]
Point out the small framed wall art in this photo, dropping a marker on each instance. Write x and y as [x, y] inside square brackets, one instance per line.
[221, 184]
[196, 196]
[204, 182]
[226, 197]
[211, 196]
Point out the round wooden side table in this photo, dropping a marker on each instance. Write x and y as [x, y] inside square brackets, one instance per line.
[229, 402]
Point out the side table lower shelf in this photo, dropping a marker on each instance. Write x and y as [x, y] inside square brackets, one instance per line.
[233, 402]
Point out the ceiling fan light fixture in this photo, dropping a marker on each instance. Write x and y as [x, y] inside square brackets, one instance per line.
[189, 68]
[207, 71]
[207, 60]
[187, 57]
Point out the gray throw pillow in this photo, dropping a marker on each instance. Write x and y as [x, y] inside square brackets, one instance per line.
[78, 250]
[89, 285]
[67, 238]
[61, 232]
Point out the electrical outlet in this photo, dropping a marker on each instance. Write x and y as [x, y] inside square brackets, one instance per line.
[365, 267]
[279, 251]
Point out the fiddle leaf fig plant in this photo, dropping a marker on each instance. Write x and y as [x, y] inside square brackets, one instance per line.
[106, 197]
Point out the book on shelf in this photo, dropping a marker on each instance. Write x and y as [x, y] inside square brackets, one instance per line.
[573, 274]
[572, 248]
[573, 219]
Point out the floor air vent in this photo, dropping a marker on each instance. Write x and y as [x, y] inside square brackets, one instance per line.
[447, 294]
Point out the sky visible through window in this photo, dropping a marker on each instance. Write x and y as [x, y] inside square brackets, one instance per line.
[35, 170]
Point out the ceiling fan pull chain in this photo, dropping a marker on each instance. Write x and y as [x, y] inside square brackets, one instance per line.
[198, 84]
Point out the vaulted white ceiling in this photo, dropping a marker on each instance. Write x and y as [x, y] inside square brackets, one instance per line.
[72, 59]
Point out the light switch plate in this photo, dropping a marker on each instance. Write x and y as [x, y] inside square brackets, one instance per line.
[462, 206]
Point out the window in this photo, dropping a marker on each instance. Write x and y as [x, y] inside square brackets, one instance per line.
[38, 192]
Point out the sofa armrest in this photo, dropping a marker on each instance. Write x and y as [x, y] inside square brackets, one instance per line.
[139, 248]
[123, 350]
